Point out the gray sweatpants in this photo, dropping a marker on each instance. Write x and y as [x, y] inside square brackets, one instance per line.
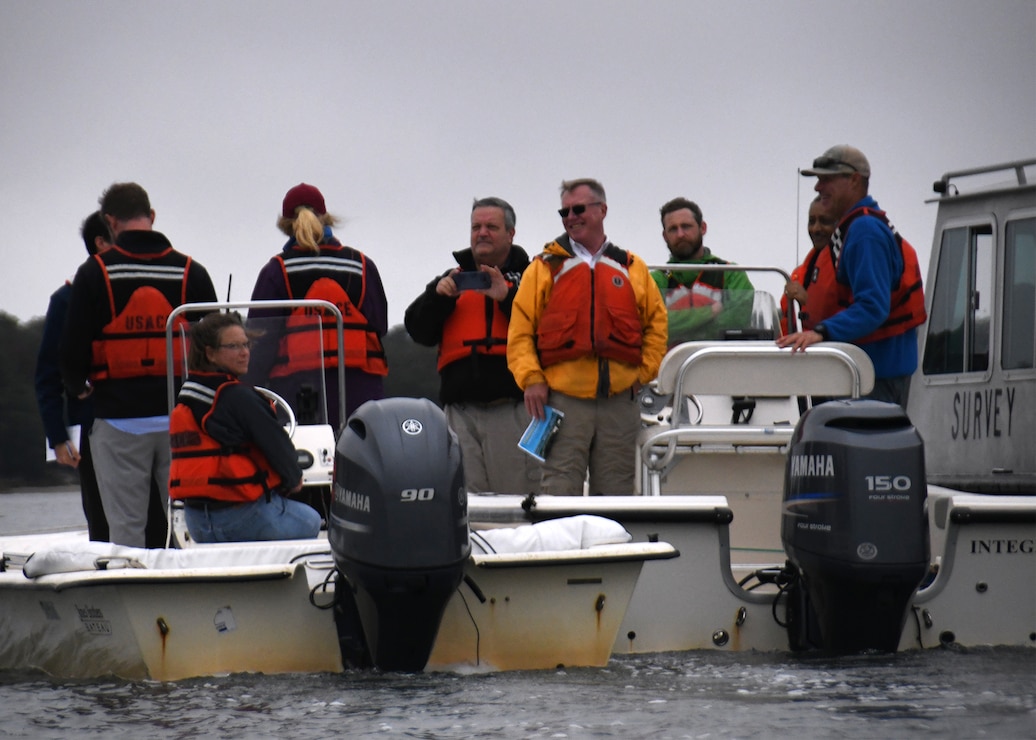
[125, 464]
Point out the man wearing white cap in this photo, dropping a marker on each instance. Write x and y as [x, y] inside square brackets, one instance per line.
[877, 278]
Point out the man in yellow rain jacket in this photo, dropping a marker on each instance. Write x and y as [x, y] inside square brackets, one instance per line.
[588, 329]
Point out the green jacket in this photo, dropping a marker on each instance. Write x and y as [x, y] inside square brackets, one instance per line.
[691, 295]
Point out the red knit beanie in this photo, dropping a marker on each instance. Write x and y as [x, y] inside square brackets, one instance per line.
[303, 195]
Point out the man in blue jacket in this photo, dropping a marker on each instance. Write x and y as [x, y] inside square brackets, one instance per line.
[869, 277]
[57, 409]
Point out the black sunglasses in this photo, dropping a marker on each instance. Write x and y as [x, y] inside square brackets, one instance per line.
[826, 163]
[577, 210]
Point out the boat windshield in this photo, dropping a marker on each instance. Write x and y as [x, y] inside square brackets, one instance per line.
[287, 358]
[720, 314]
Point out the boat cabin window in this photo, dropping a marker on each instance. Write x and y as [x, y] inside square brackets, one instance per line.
[1019, 331]
[959, 318]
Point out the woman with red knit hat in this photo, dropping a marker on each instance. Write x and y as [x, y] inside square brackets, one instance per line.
[314, 264]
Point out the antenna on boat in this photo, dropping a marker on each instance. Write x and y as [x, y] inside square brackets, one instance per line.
[798, 209]
[230, 279]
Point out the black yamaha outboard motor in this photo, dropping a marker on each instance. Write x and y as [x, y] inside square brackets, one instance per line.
[854, 526]
[399, 531]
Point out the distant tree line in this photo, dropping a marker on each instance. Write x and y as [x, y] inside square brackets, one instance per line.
[412, 373]
[21, 431]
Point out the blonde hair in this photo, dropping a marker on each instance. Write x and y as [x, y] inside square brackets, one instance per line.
[306, 227]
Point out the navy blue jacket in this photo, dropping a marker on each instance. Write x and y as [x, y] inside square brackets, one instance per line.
[57, 410]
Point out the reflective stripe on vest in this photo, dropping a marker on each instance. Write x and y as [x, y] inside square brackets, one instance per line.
[310, 340]
[201, 467]
[699, 295]
[141, 295]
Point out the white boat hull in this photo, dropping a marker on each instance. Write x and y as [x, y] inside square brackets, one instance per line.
[985, 589]
[978, 597]
[167, 624]
[541, 610]
[195, 613]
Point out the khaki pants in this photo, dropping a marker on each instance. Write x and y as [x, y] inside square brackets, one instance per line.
[488, 436]
[599, 434]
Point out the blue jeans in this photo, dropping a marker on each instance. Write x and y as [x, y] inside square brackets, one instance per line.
[280, 519]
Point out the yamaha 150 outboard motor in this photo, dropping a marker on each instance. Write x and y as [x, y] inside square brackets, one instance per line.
[399, 531]
[854, 526]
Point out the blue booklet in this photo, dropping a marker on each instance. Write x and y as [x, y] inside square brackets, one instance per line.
[540, 433]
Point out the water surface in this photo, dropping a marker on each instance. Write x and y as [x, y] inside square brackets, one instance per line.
[944, 693]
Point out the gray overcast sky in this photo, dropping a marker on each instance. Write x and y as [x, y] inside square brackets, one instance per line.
[402, 112]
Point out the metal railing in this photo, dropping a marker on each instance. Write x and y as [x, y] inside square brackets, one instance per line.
[202, 308]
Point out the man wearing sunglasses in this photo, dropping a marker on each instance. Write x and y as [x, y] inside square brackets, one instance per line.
[880, 298]
[588, 328]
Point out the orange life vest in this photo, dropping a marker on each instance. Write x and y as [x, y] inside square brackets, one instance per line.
[141, 295]
[201, 467]
[310, 341]
[476, 326]
[906, 309]
[699, 295]
[591, 310]
[817, 275]
[705, 290]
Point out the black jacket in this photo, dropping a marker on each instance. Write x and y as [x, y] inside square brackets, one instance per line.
[89, 312]
[477, 378]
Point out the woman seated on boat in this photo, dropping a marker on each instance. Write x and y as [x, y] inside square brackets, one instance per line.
[231, 458]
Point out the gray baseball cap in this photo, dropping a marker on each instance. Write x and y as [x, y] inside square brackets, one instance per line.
[840, 160]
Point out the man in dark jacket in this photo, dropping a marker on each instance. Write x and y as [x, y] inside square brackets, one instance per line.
[465, 311]
[58, 410]
[113, 350]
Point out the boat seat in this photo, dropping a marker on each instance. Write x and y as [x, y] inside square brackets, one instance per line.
[703, 378]
[761, 368]
[87, 556]
[579, 532]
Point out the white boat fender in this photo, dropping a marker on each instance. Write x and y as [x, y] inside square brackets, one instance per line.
[103, 556]
[567, 533]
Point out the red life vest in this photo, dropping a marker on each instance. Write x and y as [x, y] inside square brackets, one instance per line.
[339, 275]
[141, 295]
[699, 295]
[591, 310]
[817, 275]
[906, 309]
[201, 467]
[705, 290]
[476, 326]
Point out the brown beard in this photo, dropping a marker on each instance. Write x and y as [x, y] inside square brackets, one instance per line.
[679, 251]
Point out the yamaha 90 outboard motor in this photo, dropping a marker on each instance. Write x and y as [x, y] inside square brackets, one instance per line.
[399, 531]
[854, 525]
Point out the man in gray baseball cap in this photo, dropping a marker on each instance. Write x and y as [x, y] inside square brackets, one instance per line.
[840, 160]
[883, 302]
